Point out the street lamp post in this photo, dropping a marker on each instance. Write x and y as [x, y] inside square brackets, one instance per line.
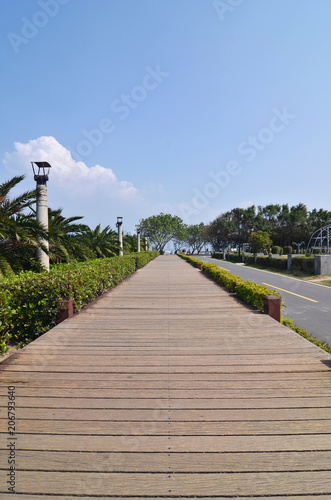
[41, 174]
[138, 238]
[120, 235]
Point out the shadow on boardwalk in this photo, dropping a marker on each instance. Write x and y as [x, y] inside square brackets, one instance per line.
[168, 387]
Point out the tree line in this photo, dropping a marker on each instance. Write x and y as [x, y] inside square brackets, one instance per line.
[284, 226]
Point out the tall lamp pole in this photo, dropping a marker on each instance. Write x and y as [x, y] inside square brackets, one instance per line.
[120, 235]
[138, 238]
[41, 174]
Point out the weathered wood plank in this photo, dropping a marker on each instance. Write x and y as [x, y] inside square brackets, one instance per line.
[221, 444]
[174, 428]
[180, 462]
[167, 403]
[159, 414]
[293, 483]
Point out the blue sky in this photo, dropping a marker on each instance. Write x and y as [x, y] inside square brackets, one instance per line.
[191, 107]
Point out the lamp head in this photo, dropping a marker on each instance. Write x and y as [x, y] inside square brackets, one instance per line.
[41, 171]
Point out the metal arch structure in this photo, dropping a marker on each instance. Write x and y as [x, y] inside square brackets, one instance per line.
[320, 239]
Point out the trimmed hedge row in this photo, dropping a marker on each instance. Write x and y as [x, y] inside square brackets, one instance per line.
[300, 263]
[142, 258]
[271, 263]
[29, 301]
[250, 292]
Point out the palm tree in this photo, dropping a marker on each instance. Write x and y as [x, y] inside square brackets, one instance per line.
[19, 233]
[63, 242]
[103, 242]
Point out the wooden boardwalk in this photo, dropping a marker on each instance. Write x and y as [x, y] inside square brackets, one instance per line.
[168, 387]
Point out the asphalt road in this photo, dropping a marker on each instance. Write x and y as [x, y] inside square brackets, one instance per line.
[308, 304]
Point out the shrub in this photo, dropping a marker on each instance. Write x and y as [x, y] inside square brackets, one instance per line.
[277, 250]
[305, 264]
[221, 276]
[142, 258]
[287, 250]
[233, 257]
[217, 255]
[249, 259]
[250, 292]
[253, 293]
[277, 263]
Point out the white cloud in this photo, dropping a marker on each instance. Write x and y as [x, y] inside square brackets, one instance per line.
[66, 172]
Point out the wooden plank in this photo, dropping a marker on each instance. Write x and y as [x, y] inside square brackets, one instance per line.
[64, 483]
[168, 403]
[217, 369]
[92, 497]
[180, 462]
[174, 428]
[142, 392]
[159, 414]
[220, 444]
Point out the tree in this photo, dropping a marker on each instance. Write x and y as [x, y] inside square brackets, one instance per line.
[63, 242]
[259, 241]
[180, 238]
[160, 229]
[219, 232]
[19, 233]
[196, 237]
[103, 242]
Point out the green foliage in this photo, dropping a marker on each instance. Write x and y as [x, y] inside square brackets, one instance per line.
[277, 250]
[196, 237]
[103, 242]
[248, 291]
[29, 301]
[142, 258]
[271, 263]
[287, 250]
[19, 234]
[6, 315]
[217, 255]
[221, 276]
[320, 343]
[249, 259]
[232, 257]
[160, 229]
[253, 293]
[304, 264]
[259, 241]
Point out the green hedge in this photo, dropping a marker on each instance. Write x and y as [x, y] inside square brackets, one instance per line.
[305, 264]
[217, 255]
[249, 259]
[271, 263]
[142, 258]
[250, 292]
[232, 257]
[29, 301]
[299, 263]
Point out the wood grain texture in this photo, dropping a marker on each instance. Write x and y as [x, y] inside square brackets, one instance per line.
[167, 387]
